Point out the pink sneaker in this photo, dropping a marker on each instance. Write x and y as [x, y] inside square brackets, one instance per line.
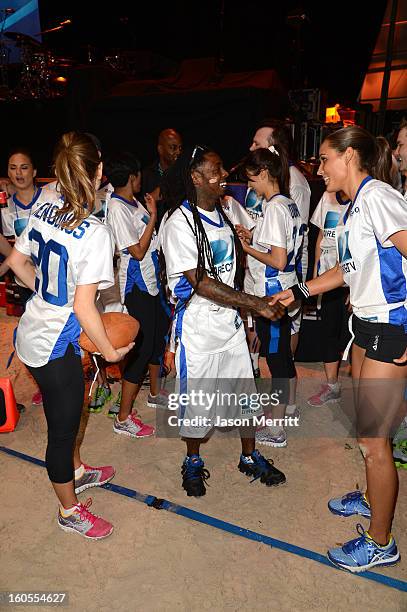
[326, 395]
[133, 427]
[94, 477]
[85, 523]
[37, 398]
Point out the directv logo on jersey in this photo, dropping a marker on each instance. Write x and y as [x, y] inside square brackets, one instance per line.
[345, 257]
[222, 254]
[330, 223]
[253, 205]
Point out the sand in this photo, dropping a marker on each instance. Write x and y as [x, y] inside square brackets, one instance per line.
[156, 560]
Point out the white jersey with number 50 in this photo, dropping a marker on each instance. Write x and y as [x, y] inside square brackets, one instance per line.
[63, 259]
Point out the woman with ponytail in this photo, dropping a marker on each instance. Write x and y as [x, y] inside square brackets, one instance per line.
[72, 253]
[371, 239]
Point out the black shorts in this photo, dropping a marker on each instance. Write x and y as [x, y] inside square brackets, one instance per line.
[382, 341]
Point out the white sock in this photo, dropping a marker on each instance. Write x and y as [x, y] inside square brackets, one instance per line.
[255, 360]
[79, 472]
[67, 511]
[290, 409]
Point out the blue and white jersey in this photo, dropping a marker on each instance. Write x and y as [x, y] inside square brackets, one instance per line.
[63, 259]
[237, 213]
[326, 217]
[280, 226]
[14, 218]
[300, 193]
[203, 326]
[128, 220]
[374, 270]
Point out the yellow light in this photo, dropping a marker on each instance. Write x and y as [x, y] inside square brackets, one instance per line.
[60, 79]
[332, 115]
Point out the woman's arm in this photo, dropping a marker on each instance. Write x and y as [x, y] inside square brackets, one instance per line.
[22, 267]
[92, 324]
[331, 279]
[5, 249]
[399, 239]
[140, 249]
[276, 259]
[317, 253]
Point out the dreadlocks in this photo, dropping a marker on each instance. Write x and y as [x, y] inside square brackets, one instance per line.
[177, 187]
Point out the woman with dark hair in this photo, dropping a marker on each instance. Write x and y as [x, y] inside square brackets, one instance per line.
[372, 247]
[272, 248]
[204, 265]
[72, 253]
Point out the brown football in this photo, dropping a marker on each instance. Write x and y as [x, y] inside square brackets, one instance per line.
[121, 329]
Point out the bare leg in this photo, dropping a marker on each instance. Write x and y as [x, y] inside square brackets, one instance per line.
[129, 393]
[331, 372]
[247, 437]
[66, 494]
[154, 371]
[193, 445]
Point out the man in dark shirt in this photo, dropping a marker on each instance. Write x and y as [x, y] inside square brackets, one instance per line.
[169, 147]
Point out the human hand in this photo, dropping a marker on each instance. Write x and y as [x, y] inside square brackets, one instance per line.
[268, 311]
[118, 354]
[284, 297]
[151, 204]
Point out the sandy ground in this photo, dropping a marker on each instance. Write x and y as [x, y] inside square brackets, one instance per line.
[156, 560]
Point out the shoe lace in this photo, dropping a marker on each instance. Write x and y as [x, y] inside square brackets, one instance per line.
[262, 466]
[84, 513]
[355, 495]
[195, 470]
[353, 546]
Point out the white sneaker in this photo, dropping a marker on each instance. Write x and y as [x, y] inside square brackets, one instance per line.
[272, 436]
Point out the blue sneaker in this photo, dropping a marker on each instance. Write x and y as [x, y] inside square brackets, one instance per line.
[194, 476]
[363, 553]
[352, 503]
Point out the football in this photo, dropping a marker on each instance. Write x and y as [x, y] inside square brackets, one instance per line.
[121, 329]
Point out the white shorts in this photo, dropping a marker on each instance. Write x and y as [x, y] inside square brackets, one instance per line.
[109, 299]
[219, 376]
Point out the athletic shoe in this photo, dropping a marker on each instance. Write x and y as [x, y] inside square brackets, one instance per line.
[326, 395]
[363, 553]
[37, 398]
[194, 475]
[292, 411]
[94, 477]
[257, 466]
[85, 523]
[115, 406]
[158, 401]
[133, 427]
[400, 455]
[350, 504]
[103, 394]
[272, 436]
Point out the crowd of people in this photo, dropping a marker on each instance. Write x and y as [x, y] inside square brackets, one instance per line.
[215, 272]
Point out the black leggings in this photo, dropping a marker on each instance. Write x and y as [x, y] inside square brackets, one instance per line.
[275, 339]
[62, 386]
[333, 319]
[150, 341]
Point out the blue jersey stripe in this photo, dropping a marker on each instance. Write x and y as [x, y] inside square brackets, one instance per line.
[69, 335]
[391, 274]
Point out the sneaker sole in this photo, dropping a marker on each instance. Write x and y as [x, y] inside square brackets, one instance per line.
[364, 568]
[274, 444]
[331, 401]
[112, 415]
[339, 513]
[129, 435]
[151, 405]
[94, 484]
[71, 530]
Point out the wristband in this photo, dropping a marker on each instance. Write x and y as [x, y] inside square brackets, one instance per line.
[300, 291]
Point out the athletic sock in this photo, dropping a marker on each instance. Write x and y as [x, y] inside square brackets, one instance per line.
[290, 409]
[334, 386]
[255, 360]
[246, 458]
[79, 472]
[65, 512]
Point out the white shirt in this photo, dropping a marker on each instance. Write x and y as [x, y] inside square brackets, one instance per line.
[203, 326]
[280, 226]
[63, 259]
[102, 198]
[128, 221]
[326, 216]
[15, 216]
[374, 269]
[237, 214]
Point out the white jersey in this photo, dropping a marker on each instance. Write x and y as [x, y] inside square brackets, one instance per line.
[374, 269]
[128, 220]
[280, 226]
[237, 214]
[203, 326]
[102, 198]
[15, 217]
[63, 259]
[326, 216]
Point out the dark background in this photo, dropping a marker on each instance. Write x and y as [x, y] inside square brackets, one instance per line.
[329, 49]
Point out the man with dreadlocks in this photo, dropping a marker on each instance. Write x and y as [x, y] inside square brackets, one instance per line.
[204, 264]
